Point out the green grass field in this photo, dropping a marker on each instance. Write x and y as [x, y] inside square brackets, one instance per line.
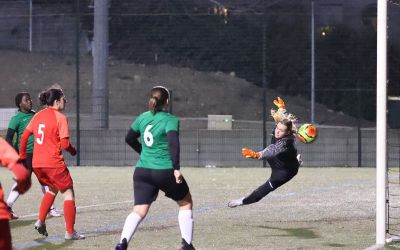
[321, 208]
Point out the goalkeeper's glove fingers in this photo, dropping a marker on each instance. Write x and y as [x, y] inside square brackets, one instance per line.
[279, 103]
[248, 153]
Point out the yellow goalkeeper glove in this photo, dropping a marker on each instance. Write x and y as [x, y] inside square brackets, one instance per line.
[279, 103]
[248, 153]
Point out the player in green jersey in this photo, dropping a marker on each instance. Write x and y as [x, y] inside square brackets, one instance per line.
[158, 168]
[16, 127]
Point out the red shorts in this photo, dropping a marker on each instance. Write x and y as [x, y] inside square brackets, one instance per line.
[58, 178]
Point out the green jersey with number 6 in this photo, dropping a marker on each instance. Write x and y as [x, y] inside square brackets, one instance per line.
[153, 129]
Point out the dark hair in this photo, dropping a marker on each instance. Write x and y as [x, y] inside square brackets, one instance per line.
[18, 98]
[48, 97]
[159, 96]
[289, 125]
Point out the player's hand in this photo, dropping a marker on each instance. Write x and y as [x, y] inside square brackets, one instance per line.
[178, 176]
[248, 153]
[279, 103]
[22, 177]
[23, 162]
[72, 151]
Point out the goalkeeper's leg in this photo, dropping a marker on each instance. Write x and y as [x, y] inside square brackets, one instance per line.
[277, 179]
[259, 193]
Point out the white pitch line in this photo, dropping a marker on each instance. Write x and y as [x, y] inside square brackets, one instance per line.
[83, 207]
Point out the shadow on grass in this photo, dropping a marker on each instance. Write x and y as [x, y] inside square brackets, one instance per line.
[43, 244]
[392, 246]
[335, 245]
[21, 223]
[301, 232]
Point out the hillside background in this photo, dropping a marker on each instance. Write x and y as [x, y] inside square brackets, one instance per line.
[196, 94]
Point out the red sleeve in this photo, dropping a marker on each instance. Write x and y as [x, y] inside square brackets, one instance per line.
[24, 143]
[62, 123]
[66, 145]
[8, 156]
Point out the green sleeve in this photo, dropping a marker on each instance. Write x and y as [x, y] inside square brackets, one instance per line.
[135, 125]
[14, 123]
[172, 125]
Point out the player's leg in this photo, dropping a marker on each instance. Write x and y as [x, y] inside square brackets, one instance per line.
[45, 205]
[70, 215]
[277, 179]
[11, 199]
[181, 194]
[5, 235]
[53, 212]
[145, 193]
[131, 224]
[186, 223]
[13, 196]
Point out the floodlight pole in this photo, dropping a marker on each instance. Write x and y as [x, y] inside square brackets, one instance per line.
[264, 79]
[30, 25]
[381, 128]
[77, 64]
[312, 63]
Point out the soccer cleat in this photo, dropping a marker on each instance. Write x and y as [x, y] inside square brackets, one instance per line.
[74, 236]
[299, 160]
[53, 213]
[123, 245]
[186, 246]
[41, 228]
[14, 216]
[235, 203]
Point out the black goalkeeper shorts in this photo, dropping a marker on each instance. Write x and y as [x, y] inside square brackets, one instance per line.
[147, 183]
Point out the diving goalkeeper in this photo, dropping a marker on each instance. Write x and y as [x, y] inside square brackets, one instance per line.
[281, 156]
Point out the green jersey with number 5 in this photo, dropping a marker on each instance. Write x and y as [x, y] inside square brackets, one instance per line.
[153, 129]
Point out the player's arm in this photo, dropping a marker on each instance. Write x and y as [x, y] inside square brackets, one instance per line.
[273, 149]
[10, 136]
[24, 142]
[131, 139]
[9, 159]
[63, 129]
[67, 146]
[249, 153]
[174, 148]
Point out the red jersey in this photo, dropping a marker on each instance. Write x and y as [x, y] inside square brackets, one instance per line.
[48, 127]
[8, 158]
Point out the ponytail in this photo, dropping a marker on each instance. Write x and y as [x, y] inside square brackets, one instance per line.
[153, 104]
[159, 96]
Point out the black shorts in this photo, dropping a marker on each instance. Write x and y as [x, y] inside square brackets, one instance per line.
[147, 183]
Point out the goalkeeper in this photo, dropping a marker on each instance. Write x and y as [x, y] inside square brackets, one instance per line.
[281, 156]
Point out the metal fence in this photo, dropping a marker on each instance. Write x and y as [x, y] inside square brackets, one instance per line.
[201, 147]
[217, 58]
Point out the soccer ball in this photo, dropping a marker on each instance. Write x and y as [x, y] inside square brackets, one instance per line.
[307, 133]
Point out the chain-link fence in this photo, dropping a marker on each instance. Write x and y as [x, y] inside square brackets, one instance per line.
[217, 58]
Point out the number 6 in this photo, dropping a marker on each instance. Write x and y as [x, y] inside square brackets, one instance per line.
[148, 136]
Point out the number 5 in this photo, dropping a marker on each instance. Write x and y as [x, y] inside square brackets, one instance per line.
[41, 133]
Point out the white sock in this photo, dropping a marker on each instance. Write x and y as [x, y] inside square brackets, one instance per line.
[13, 196]
[185, 218]
[44, 189]
[131, 223]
